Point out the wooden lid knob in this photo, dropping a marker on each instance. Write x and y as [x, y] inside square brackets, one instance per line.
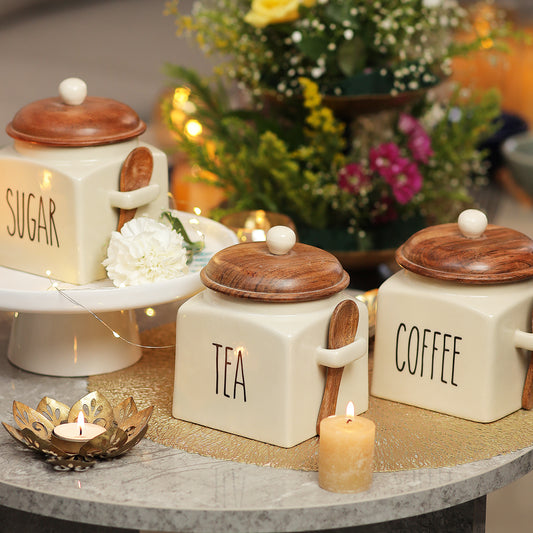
[73, 91]
[280, 240]
[472, 223]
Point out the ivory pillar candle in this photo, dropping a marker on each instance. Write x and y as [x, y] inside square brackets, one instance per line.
[346, 453]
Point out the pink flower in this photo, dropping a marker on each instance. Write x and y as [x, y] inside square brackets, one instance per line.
[418, 140]
[406, 183]
[420, 145]
[385, 159]
[400, 173]
[408, 124]
[352, 178]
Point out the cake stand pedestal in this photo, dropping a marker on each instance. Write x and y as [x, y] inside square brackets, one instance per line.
[79, 330]
[75, 344]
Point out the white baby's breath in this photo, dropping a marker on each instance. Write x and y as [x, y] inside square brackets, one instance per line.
[145, 251]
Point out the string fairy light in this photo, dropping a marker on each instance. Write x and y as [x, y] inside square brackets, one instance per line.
[55, 285]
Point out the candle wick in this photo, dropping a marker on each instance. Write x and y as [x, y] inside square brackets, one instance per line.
[349, 420]
[80, 431]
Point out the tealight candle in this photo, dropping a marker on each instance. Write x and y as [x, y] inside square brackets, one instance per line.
[346, 452]
[72, 436]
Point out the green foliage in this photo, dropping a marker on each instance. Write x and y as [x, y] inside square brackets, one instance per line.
[259, 165]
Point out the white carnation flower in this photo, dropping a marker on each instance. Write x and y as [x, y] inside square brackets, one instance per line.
[143, 252]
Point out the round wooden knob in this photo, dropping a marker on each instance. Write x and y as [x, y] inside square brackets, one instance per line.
[472, 223]
[280, 240]
[73, 91]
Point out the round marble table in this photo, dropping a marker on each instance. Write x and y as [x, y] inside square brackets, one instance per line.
[162, 489]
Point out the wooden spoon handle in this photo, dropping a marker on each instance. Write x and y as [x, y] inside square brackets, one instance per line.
[527, 394]
[136, 173]
[342, 329]
[331, 393]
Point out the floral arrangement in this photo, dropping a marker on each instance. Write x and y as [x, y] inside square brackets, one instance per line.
[345, 46]
[346, 128]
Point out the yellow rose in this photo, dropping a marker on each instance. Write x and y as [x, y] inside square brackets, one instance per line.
[265, 12]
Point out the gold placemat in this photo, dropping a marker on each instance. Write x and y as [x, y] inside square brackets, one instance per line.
[406, 437]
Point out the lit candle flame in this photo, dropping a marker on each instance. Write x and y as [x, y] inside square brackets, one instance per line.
[81, 422]
[350, 409]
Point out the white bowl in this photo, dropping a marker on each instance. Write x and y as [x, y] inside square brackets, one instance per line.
[518, 151]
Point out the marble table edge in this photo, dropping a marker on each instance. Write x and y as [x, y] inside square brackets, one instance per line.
[361, 509]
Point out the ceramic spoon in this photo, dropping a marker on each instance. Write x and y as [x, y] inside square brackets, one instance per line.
[342, 330]
[136, 173]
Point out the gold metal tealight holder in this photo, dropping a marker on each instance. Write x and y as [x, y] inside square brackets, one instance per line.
[120, 428]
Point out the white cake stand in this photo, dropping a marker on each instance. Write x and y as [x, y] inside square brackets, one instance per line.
[79, 330]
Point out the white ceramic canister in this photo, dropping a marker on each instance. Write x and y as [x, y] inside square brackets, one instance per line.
[252, 349]
[64, 183]
[453, 326]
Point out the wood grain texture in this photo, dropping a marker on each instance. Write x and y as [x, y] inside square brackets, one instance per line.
[97, 121]
[249, 270]
[342, 330]
[136, 173]
[500, 255]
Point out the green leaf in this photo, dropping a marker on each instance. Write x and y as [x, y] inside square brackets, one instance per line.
[313, 46]
[351, 56]
[340, 11]
[192, 247]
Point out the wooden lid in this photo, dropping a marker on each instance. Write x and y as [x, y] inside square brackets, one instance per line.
[470, 251]
[75, 120]
[278, 270]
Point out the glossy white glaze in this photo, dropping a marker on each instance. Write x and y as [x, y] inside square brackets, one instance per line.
[453, 348]
[60, 205]
[254, 368]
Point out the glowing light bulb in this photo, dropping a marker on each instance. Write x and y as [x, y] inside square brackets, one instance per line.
[193, 128]
[181, 95]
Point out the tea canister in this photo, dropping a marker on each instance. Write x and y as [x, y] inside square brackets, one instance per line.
[453, 326]
[76, 172]
[251, 349]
